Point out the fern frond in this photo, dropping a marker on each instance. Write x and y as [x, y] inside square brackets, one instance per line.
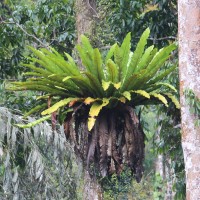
[58, 105]
[29, 125]
[137, 54]
[173, 99]
[160, 97]
[112, 71]
[125, 51]
[110, 52]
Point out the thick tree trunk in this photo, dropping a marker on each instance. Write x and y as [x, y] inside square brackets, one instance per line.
[85, 17]
[85, 24]
[189, 70]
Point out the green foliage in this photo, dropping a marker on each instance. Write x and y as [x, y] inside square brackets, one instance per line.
[123, 187]
[122, 16]
[35, 163]
[53, 23]
[159, 192]
[62, 80]
[194, 102]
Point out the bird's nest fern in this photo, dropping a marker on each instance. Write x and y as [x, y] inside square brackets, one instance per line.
[96, 105]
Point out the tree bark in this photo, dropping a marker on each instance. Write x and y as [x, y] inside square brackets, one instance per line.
[85, 17]
[189, 72]
[85, 24]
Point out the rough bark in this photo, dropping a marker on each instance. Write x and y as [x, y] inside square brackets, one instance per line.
[189, 71]
[85, 24]
[92, 190]
[85, 17]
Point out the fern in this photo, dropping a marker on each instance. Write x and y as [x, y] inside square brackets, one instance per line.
[128, 78]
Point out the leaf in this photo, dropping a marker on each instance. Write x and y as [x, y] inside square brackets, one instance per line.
[44, 61]
[110, 52]
[94, 112]
[146, 58]
[167, 85]
[57, 105]
[160, 97]
[89, 100]
[29, 125]
[106, 85]
[142, 92]
[174, 100]
[122, 99]
[112, 71]
[91, 122]
[125, 51]
[35, 109]
[96, 107]
[162, 54]
[98, 64]
[117, 85]
[162, 74]
[137, 53]
[95, 84]
[87, 62]
[127, 95]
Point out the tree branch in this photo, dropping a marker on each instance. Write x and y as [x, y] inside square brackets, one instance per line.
[23, 30]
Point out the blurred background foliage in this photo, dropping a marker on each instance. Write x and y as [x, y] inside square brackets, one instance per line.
[44, 23]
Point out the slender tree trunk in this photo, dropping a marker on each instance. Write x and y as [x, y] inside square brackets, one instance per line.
[85, 24]
[189, 70]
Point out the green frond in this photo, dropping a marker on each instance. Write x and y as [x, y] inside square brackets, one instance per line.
[112, 71]
[146, 58]
[173, 99]
[29, 125]
[127, 95]
[45, 62]
[95, 84]
[160, 97]
[142, 93]
[73, 65]
[58, 105]
[137, 54]
[117, 56]
[35, 110]
[37, 69]
[167, 85]
[83, 83]
[86, 44]
[86, 60]
[110, 52]
[98, 64]
[125, 51]
[162, 75]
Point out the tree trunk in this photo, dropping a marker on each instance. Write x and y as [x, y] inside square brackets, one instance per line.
[85, 17]
[189, 71]
[92, 190]
[85, 24]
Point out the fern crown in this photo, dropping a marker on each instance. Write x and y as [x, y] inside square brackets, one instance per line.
[122, 77]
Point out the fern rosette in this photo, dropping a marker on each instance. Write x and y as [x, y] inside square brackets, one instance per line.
[96, 105]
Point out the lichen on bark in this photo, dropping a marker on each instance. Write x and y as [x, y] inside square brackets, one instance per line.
[189, 71]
